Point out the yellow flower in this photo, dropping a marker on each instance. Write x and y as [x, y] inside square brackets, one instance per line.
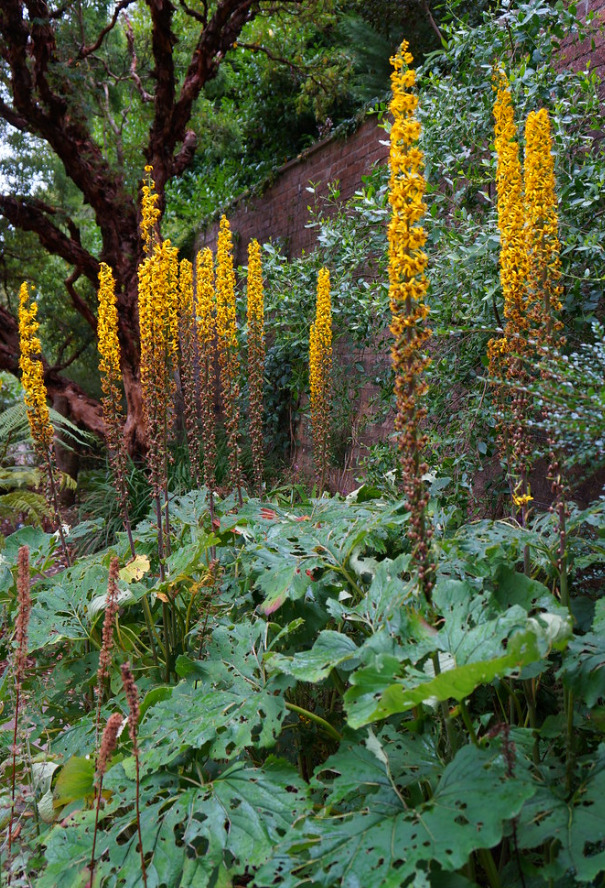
[226, 326]
[32, 377]
[107, 328]
[158, 326]
[541, 228]
[150, 212]
[205, 297]
[206, 331]
[256, 356]
[320, 372]
[228, 349]
[522, 500]
[407, 291]
[511, 209]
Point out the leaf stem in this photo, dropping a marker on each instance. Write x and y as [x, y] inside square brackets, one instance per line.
[312, 716]
[489, 865]
[466, 718]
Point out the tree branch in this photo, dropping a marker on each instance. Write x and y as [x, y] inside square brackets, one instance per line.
[28, 46]
[62, 365]
[32, 215]
[145, 96]
[13, 118]
[85, 51]
[202, 17]
[298, 69]
[78, 303]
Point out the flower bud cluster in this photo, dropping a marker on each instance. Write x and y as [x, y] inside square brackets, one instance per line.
[228, 347]
[407, 290]
[256, 357]
[320, 376]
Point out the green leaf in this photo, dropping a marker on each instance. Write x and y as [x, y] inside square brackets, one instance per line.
[577, 826]
[366, 845]
[583, 669]
[330, 650]
[358, 769]
[231, 705]
[194, 837]
[75, 781]
[377, 693]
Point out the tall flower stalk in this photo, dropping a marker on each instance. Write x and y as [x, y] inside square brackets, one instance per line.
[506, 354]
[111, 377]
[320, 377]
[111, 611]
[544, 288]
[24, 606]
[228, 349]
[108, 744]
[132, 698]
[188, 362]
[407, 290]
[542, 230]
[206, 332]
[256, 358]
[158, 323]
[32, 379]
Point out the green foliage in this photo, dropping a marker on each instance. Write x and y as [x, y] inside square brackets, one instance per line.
[307, 719]
[321, 725]
[463, 247]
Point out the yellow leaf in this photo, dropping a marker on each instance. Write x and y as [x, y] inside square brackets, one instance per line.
[135, 569]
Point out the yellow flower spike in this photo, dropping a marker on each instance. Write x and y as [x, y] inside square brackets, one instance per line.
[256, 357]
[511, 208]
[188, 361]
[206, 331]
[407, 291]
[150, 212]
[320, 375]
[35, 398]
[109, 368]
[507, 355]
[107, 330]
[228, 349]
[32, 377]
[542, 223]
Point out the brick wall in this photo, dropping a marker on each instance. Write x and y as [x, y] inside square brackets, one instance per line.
[282, 210]
[577, 54]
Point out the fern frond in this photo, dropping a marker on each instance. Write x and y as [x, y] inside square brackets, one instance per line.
[14, 477]
[14, 427]
[24, 502]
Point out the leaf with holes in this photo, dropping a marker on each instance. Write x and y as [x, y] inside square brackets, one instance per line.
[577, 826]
[330, 650]
[192, 837]
[230, 702]
[377, 694]
[363, 846]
